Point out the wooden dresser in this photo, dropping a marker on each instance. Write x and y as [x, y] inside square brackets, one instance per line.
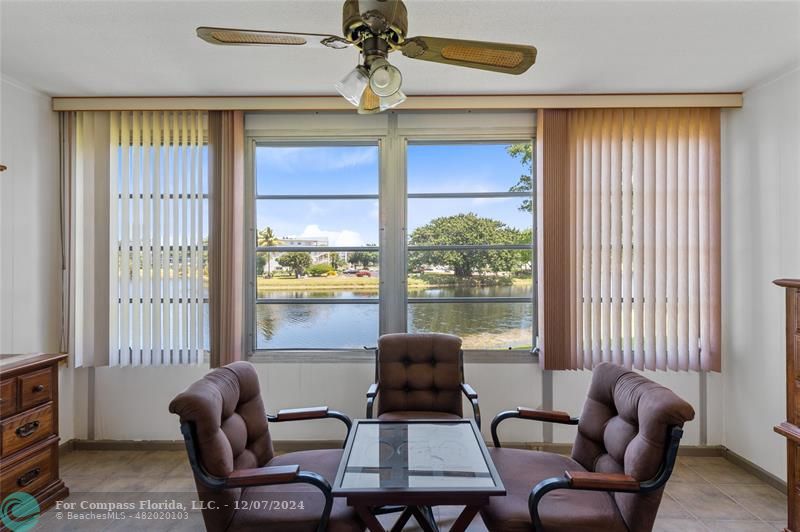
[29, 427]
[791, 427]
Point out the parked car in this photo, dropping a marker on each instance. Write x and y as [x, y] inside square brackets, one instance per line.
[364, 273]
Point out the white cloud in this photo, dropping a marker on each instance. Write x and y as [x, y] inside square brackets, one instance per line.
[335, 238]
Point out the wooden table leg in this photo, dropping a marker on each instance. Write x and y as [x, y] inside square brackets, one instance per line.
[403, 519]
[369, 519]
[465, 518]
[424, 516]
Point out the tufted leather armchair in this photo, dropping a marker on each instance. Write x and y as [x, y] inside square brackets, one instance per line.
[623, 455]
[227, 438]
[420, 376]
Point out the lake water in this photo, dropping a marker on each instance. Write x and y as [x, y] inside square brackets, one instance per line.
[481, 325]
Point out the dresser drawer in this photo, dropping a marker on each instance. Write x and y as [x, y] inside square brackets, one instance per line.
[8, 397]
[35, 388]
[26, 428]
[32, 473]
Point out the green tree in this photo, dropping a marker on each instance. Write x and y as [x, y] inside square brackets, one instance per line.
[365, 259]
[523, 152]
[297, 261]
[336, 260]
[466, 229]
[266, 238]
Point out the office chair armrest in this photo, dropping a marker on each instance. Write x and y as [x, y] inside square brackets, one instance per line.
[260, 476]
[588, 480]
[613, 482]
[550, 416]
[290, 474]
[372, 392]
[296, 414]
[314, 412]
[469, 391]
[472, 395]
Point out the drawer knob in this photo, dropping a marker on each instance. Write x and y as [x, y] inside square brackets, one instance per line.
[28, 477]
[38, 388]
[27, 429]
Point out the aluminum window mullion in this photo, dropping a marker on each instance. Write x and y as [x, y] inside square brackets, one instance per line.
[472, 247]
[476, 299]
[317, 301]
[467, 195]
[317, 196]
[319, 249]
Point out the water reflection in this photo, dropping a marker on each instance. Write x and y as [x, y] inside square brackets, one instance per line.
[481, 325]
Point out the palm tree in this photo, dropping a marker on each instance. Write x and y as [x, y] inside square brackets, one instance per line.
[266, 238]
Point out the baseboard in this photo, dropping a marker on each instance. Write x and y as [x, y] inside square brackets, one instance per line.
[285, 446]
[127, 445]
[755, 470]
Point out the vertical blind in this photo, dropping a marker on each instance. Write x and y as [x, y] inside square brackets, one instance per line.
[643, 221]
[158, 225]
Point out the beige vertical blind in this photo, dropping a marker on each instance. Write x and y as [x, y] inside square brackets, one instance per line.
[158, 224]
[644, 239]
[84, 206]
[227, 262]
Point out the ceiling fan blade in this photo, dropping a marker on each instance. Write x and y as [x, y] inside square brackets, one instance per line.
[240, 37]
[494, 56]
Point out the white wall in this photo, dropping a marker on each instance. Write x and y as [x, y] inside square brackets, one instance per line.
[124, 413]
[30, 257]
[761, 242]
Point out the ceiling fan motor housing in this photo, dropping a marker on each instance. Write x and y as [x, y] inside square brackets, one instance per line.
[386, 18]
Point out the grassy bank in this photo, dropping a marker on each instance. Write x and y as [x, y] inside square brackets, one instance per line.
[421, 281]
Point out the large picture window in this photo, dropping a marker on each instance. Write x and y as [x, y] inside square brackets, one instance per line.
[398, 222]
[470, 246]
[316, 268]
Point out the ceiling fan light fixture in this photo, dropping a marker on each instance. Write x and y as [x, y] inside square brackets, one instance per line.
[387, 102]
[384, 78]
[352, 86]
[370, 103]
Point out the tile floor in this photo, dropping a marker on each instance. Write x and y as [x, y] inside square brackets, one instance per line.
[704, 494]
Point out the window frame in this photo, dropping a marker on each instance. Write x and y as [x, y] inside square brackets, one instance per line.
[296, 139]
[392, 141]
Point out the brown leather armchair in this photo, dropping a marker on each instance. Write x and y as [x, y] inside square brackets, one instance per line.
[623, 455]
[419, 376]
[227, 438]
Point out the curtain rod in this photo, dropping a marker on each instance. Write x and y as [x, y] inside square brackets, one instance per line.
[414, 103]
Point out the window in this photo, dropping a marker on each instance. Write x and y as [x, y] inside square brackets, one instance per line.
[159, 225]
[403, 221]
[316, 271]
[470, 247]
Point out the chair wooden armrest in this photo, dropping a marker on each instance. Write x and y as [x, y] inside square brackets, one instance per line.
[550, 416]
[294, 414]
[469, 391]
[260, 476]
[313, 412]
[588, 480]
[472, 395]
[372, 392]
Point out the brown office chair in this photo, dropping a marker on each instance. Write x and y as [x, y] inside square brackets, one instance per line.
[230, 450]
[623, 455]
[420, 376]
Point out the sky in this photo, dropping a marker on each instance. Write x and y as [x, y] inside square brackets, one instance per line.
[355, 170]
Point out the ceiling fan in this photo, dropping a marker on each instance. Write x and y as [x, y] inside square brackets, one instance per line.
[377, 28]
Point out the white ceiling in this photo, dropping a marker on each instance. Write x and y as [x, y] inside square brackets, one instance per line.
[122, 47]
